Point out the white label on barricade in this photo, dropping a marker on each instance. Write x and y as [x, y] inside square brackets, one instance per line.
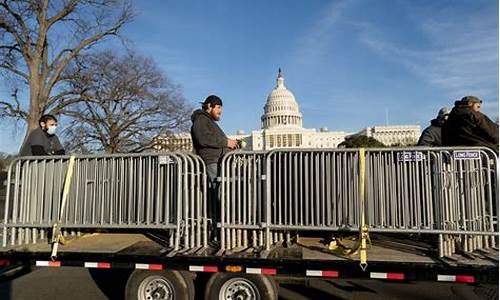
[410, 156]
[164, 160]
[467, 154]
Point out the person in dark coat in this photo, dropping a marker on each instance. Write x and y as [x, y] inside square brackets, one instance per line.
[210, 143]
[431, 136]
[43, 141]
[467, 126]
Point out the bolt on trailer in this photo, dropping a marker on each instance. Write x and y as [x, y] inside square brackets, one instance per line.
[403, 214]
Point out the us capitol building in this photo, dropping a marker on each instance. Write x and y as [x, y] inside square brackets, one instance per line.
[281, 127]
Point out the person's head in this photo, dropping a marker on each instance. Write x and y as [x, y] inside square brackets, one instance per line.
[213, 106]
[48, 123]
[443, 114]
[474, 103]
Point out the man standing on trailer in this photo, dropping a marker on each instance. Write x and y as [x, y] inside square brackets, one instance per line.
[467, 126]
[43, 140]
[431, 136]
[210, 143]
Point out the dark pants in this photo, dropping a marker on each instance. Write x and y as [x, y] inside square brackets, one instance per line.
[213, 171]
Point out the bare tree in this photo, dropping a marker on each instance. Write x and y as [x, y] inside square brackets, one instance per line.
[126, 102]
[5, 160]
[40, 38]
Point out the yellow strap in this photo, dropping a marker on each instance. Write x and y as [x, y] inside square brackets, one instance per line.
[336, 245]
[362, 184]
[63, 241]
[56, 229]
[67, 185]
[350, 245]
[363, 230]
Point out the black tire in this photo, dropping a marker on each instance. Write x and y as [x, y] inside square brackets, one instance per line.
[182, 287]
[265, 287]
[189, 278]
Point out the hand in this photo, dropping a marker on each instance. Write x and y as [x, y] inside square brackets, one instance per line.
[232, 144]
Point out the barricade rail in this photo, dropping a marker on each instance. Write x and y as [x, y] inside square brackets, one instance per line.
[165, 191]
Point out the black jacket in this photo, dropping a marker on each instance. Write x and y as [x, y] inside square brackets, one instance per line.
[40, 142]
[431, 136]
[468, 128]
[209, 141]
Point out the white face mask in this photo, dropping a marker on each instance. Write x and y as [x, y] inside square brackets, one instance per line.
[51, 129]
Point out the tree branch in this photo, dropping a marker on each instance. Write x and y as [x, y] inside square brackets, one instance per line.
[12, 48]
[14, 70]
[61, 65]
[58, 109]
[11, 111]
[15, 34]
[19, 20]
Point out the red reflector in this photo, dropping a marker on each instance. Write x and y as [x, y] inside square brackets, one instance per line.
[104, 265]
[396, 276]
[463, 278]
[268, 271]
[330, 274]
[155, 267]
[210, 269]
[4, 262]
[54, 264]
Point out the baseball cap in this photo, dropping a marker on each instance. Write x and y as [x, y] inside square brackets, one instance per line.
[213, 100]
[443, 112]
[473, 99]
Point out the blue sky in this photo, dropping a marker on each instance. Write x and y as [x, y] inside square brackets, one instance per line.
[349, 63]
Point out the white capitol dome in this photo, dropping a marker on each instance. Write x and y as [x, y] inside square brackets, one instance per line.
[281, 109]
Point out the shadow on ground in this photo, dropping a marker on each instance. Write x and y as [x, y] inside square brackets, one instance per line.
[111, 282]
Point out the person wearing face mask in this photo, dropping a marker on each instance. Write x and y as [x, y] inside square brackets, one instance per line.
[467, 126]
[43, 140]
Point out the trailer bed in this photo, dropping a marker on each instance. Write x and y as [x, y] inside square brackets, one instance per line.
[413, 260]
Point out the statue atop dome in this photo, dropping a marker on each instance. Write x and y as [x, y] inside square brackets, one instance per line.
[280, 80]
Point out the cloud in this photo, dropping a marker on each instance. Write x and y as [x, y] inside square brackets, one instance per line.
[314, 43]
[460, 56]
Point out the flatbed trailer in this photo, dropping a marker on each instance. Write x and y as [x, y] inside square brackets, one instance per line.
[389, 259]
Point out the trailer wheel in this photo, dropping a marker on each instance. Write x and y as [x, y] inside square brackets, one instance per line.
[227, 286]
[159, 285]
[189, 278]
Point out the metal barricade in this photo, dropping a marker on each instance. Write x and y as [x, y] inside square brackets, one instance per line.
[242, 200]
[195, 203]
[444, 191]
[265, 197]
[449, 192]
[110, 192]
[311, 190]
[400, 189]
[268, 196]
[470, 199]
